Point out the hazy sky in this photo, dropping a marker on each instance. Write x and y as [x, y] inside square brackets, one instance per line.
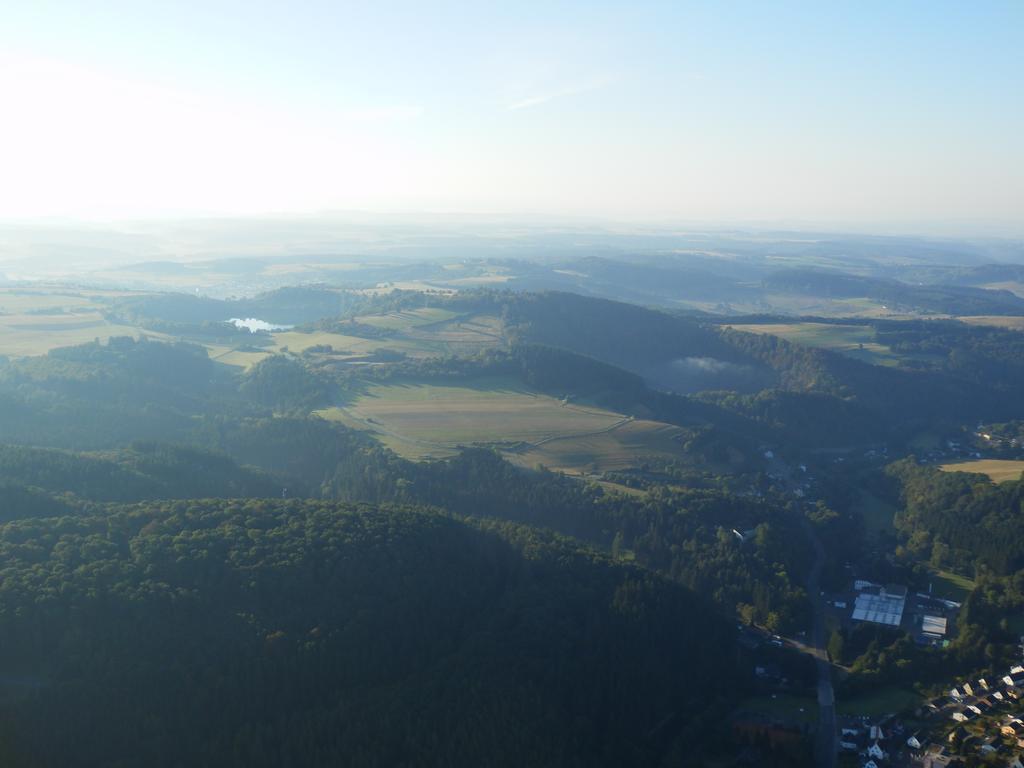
[725, 110]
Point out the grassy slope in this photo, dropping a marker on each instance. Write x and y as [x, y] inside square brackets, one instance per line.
[485, 410]
[34, 323]
[421, 420]
[998, 470]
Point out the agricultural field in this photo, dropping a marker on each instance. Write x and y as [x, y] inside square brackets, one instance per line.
[408, 319]
[463, 330]
[33, 323]
[998, 470]
[1012, 286]
[797, 304]
[616, 449]
[235, 357]
[419, 333]
[1010, 322]
[419, 419]
[857, 341]
[346, 346]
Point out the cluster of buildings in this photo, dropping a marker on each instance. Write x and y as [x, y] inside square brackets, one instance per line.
[998, 441]
[982, 696]
[987, 726]
[874, 744]
[926, 618]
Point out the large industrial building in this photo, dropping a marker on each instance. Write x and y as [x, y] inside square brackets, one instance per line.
[880, 605]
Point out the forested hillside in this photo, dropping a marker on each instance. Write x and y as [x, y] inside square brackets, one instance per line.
[299, 633]
[959, 518]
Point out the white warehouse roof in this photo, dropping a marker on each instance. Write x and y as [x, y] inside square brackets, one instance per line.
[933, 625]
[880, 609]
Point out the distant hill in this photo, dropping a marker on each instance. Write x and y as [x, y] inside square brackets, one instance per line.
[944, 299]
[671, 352]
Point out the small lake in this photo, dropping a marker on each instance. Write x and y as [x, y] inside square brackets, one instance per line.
[255, 325]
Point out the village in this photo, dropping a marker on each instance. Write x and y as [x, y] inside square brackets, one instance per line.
[979, 722]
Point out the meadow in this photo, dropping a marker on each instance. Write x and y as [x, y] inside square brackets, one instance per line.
[34, 322]
[408, 319]
[431, 419]
[887, 700]
[857, 341]
[998, 470]
[1009, 321]
[616, 449]
[877, 514]
[424, 420]
[951, 586]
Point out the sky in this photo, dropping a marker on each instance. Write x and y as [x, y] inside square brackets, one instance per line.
[648, 111]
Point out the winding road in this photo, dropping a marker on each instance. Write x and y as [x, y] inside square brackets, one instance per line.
[825, 747]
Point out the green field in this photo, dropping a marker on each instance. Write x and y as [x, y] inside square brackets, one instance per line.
[620, 448]
[876, 513]
[235, 357]
[857, 341]
[422, 419]
[33, 323]
[425, 420]
[951, 586]
[408, 319]
[884, 701]
[998, 470]
[1013, 323]
[351, 346]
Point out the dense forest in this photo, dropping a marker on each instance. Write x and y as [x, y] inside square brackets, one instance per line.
[298, 633]
[961, 519]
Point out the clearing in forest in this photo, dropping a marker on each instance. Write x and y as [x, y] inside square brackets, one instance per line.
[431, 420]
[857, 341]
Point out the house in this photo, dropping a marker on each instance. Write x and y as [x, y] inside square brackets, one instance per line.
[871, 764]
[876, 733]
[975, 708]
[989, 683]
[962, 715]
[914, 742]
[1013, 728]
[1015, 679]
[1014, 693]
[851, 732]
[973, 689]
[876, 752]
[957, 692]
[986, 703]
[849, 745]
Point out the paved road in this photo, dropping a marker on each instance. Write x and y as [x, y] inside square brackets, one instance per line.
[825, 746]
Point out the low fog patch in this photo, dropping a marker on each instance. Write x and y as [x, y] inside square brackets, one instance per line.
[694, 374]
